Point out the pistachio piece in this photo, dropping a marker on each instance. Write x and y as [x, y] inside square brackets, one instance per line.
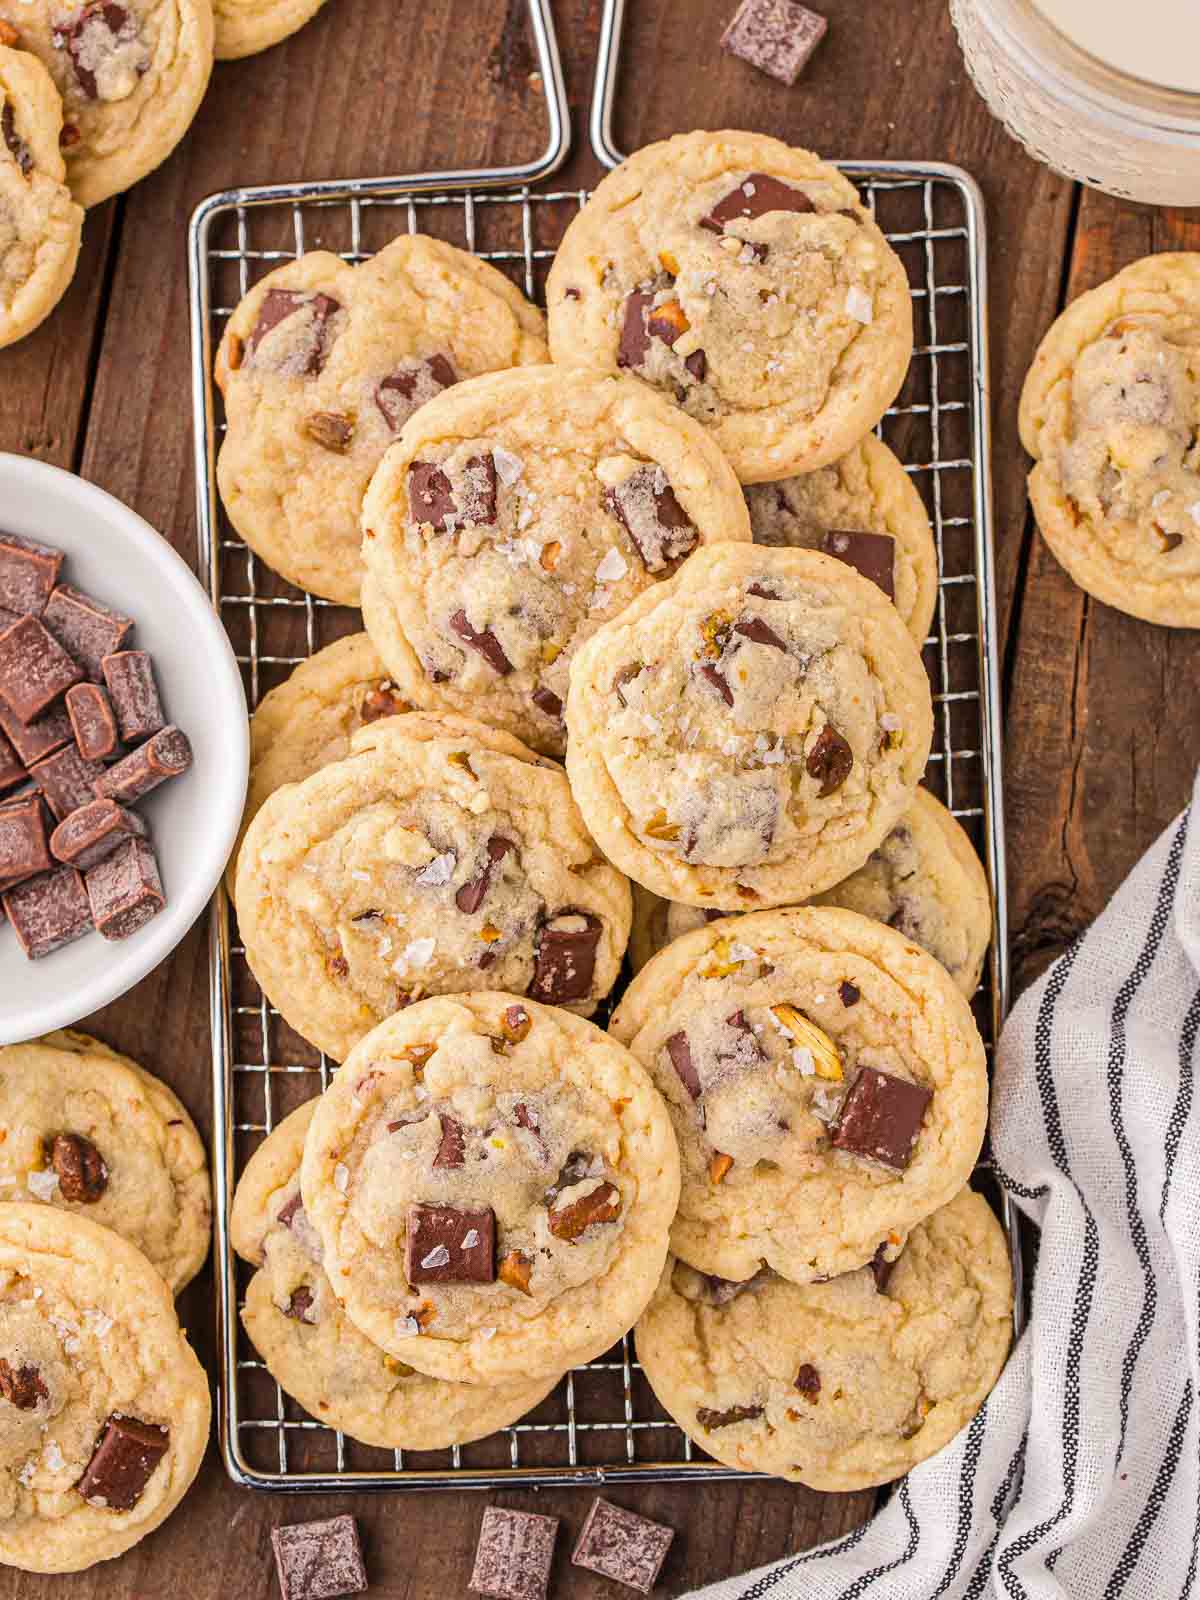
[825, 1058]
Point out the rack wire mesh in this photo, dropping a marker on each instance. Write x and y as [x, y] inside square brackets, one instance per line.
[602, 1421]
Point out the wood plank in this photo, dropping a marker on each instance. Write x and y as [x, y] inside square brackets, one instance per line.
[1102, 737]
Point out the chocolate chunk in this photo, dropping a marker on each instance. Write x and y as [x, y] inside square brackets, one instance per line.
[479, 489]
[546, 700]
[82, 42]
[129, 675]
[880, 1118]
[23, 848]
[514, 1554]
[404, 391]
[82, 1171]
[471, 896]
[745, 1049]
[28, 573]
[764, 588]
[330, 429]
[123, 1462]
[39, 738]
[667, 322]
[713, 675]
[67, 781]
[759, 632]
[710, 1420]
[165, 755]
[623, 676]
[697, 365]
[635, 337]
[93, 721]
[430, 497]
[565, 957]
[452, 1149]
[317, 1560]
[94, 831]
[311, 350]
[34, 669]
[89, 630]
[872, 554]
[829, 761]
[382, 702]
[12, 768]
[723, 1291]
[575, 1168]
[485, 643]
[22, 1386]
[755, 197]
[445, 1245]
[808, 1381]
[645, 505]
[48, 912]
[849, 993]
[290, 1210]
[125, 889]
[300, 1305]
[776, 36]
[601, 1204]
[17, 147]
[622, 1546]
[680, 1052]
[881, 1267]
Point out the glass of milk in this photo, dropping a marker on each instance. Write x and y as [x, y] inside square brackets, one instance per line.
[1100, 90]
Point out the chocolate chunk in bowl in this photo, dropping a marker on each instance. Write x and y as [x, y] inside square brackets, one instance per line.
[34, 669]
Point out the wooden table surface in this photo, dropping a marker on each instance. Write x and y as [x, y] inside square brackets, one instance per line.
[1101, 733]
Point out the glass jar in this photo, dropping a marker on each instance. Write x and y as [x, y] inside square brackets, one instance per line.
[1080, 115]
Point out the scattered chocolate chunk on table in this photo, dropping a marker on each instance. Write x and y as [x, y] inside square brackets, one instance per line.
[316, 1560]
[776, 36]
[622, 1546]
[514, 1554]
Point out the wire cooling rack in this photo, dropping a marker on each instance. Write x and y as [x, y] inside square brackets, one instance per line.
[602, 1423]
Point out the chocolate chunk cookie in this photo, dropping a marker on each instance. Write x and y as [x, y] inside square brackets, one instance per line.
[104, 1410]
[492, 1181]
[746, 281]
[519, 513]
[1110, 413]
[864, 510]
[747, 733]
[826, 1081]
[85, 1129]
[310, 1346]
[924, 880]
[321, 366]
[40, 224]
[131, 74]
[439, 856]
[839, 1385]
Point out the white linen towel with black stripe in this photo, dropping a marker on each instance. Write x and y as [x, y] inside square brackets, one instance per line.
[1080, 1477]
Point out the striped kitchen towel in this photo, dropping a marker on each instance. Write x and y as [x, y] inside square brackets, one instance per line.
[1080, 1477]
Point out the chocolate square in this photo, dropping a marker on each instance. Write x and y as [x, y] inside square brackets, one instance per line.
[28, 572]
[66, 780]
[872, 554]
[85, 627]
[565, 957]
[23, 849]
[776, 36]
[881, 1118]
[125, 890]
[93, 721]
[514, 1554]
[48, 912]
[123, 1462]
[12, 768]
[39, 738]
[622, 1546]
[129, 675]
[93, 832]
[34, 669]
[445, 1245]
[316, 1560]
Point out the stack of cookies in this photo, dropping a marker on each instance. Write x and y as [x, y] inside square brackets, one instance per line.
[104, 1217]
[676, 556]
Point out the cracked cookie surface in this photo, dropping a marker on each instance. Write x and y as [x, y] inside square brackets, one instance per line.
[516, 515]
[493, 1181]
[748, 282]
[438, 856]
[311, 1347]
[826, 1082]
[747, 733]
[84, 1129]
[40, 224]
[840, 1385]
[865, 492]
[88, 1338]
[1110, 413]
[321, 366]
[131, 73]
[924, 880]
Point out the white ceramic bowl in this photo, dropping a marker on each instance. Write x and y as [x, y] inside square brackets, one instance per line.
[112, 553]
